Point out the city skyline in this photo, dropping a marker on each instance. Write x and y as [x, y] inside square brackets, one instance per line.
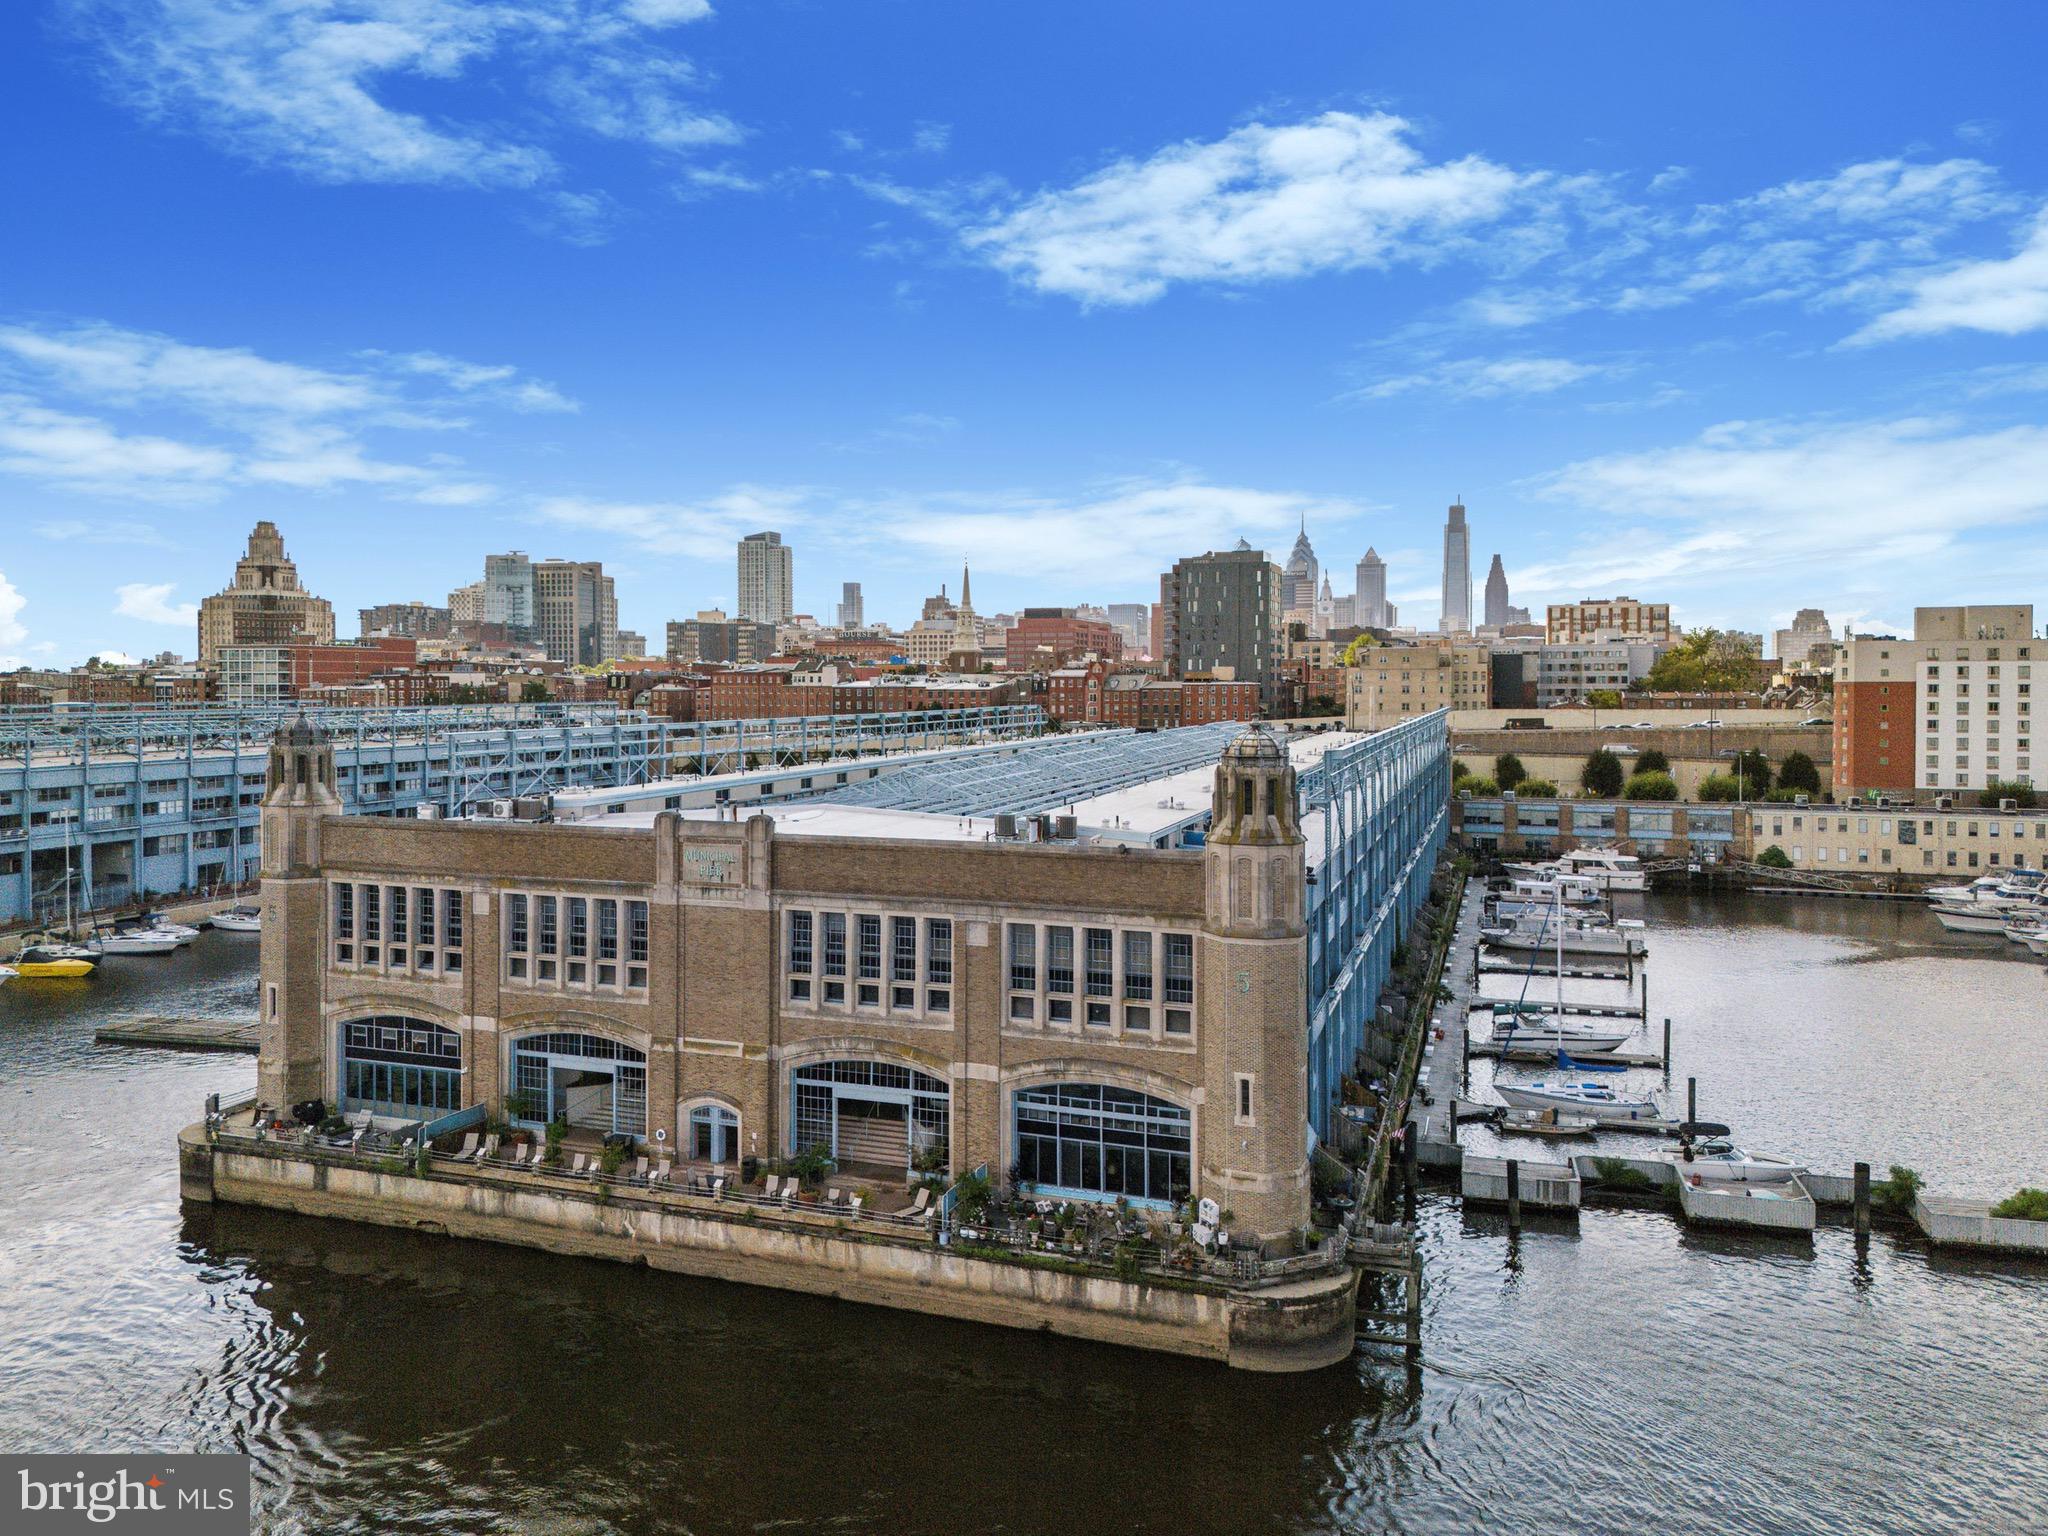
[1554, 299]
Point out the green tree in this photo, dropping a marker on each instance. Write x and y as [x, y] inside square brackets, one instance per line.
[1797, 772]
[1999, 789]
[1774, 857]
[1653, 761]
[1719, 786]
[1651, 786]
[1357, 647]
[1705, 661]
[1602, 774]
[1532, 789]
[1508, 770]
[1478, 787]
[1604, 698]
[1753, 771]
[535, 692]
[1459, 769]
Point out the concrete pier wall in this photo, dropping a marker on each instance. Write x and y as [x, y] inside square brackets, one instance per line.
[1302, 1325]
[1970, 1224]
[1783, 1207]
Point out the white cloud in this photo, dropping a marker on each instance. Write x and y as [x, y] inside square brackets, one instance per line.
[101, 531]
[1764, 500]
[262, 421]
[704, 530]
[2006, 296]
[151, 603]
[12, 631]
[1478, 378]
[931, 138]
[1336, 192]
[316, 86]
[1941, 194]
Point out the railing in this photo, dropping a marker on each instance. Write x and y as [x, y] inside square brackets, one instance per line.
[1241, 1268]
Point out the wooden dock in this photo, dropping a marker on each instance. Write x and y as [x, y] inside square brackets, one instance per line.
[180, 1034]
[1570, 1010]
[1571, 972]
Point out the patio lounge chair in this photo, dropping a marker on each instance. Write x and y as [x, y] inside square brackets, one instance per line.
[718, 1189]
[917, 1206]
[640, 1169]
[488, 1150]
[859, 1204]
[664, 1173]
[775, 1186]
[469, 1145]
[792, 1189]
[832, 1197]
[582, 1164]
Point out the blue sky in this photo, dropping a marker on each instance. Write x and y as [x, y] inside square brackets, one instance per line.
[1740, 306]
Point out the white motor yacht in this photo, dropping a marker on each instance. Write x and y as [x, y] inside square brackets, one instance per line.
[131, 939]
[1574, 935]
[1973, 917]
[1609, 866]
[1530, 893]
[1720, 1161]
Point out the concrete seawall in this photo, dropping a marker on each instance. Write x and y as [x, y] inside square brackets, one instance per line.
[1297, 1326]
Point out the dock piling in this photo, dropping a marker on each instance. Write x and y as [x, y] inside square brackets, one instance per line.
[1692, 1099]
[1514, 1195]
[1667, 1047]
[1862, 1202]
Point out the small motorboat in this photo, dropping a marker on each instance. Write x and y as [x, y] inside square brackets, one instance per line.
[2023, 932]
[1594, 1099]
[38, 963]
[156, 922]
[2037, 941]
[1717, 1160]
[7, 974]
[1574, 936]
[238, 919]
[1546, 1122]
[1984, 918]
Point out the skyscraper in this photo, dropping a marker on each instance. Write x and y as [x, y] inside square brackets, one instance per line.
[575, 612]
[766, 579]
[1298, 580]
[1371, 609]
[1496, 596]
[1457, 604]
[265, 605]
[850, 614]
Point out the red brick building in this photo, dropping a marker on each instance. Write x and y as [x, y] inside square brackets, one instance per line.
[1060, 636]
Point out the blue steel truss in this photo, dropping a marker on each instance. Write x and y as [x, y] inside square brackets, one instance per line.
[1385, 814]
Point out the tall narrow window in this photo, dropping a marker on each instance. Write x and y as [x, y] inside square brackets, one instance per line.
[1099, 972]
[1059, 975]
[1023, 971]
[373, 922]
[903, 962]
[636, 945]
[938, 964]
[607, 942]
[397, 921]
[518, 937]
[1137, 981]
[870, 958]
[577, 910]
[835, 957]
[547, 935]
[451, 931]
[344, 924]
[798, 956]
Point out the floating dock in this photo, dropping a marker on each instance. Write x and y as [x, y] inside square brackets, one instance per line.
[1539, 1186]
[180, 1034]
[1546, 1055]
[1487, 967]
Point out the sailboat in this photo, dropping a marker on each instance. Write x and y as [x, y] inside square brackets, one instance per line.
[1519, 1023]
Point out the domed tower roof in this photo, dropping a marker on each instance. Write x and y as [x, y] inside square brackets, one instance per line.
[302, 732]
[1256, 743]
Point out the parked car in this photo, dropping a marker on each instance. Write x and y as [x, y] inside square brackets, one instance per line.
[1817, 720]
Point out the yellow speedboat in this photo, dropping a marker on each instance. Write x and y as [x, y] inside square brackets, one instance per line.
[38, 962]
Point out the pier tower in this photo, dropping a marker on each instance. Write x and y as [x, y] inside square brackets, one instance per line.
[1254, 1144]
[290, 1063]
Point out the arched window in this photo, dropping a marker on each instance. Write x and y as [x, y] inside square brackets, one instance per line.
[714, 1133]
[1095, 1139]
[587, 1080]
[872, 1112]
[408, 1069]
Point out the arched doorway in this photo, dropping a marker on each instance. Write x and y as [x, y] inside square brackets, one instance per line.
[872, 1113]
[400, 1068]
[1103, 1142]
[713, 1134]
[591, 1082]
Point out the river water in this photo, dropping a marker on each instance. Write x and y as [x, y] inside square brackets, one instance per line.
[1618, 1374]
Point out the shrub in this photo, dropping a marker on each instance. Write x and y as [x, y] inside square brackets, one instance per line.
[2029, 1204]
[1798, 773]
[1459, 769]
[1718, 786]
[812, 1164]
[610, 1160]
[1474, 785]
[1604, 698]
[1508, 770]
[1774, 857]
[1602, 774]
[1895, 1196]
[1617, 1174]
[1999, 789]
[973, 1195]
[1653, 761]
[1783, 796]
[1529, 788]
[1127, 1266]
[1652, 786]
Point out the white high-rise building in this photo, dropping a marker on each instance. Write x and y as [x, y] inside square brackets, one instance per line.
[850, 606]
[767, 579]
[1457, 605]
[1298, 576]
[1372, 592]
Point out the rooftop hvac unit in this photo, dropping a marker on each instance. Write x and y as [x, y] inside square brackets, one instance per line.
[427, 811]
[1066, 828]
[2008, 805]
[1944, 802]
[501, 809]
[1006, 825]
